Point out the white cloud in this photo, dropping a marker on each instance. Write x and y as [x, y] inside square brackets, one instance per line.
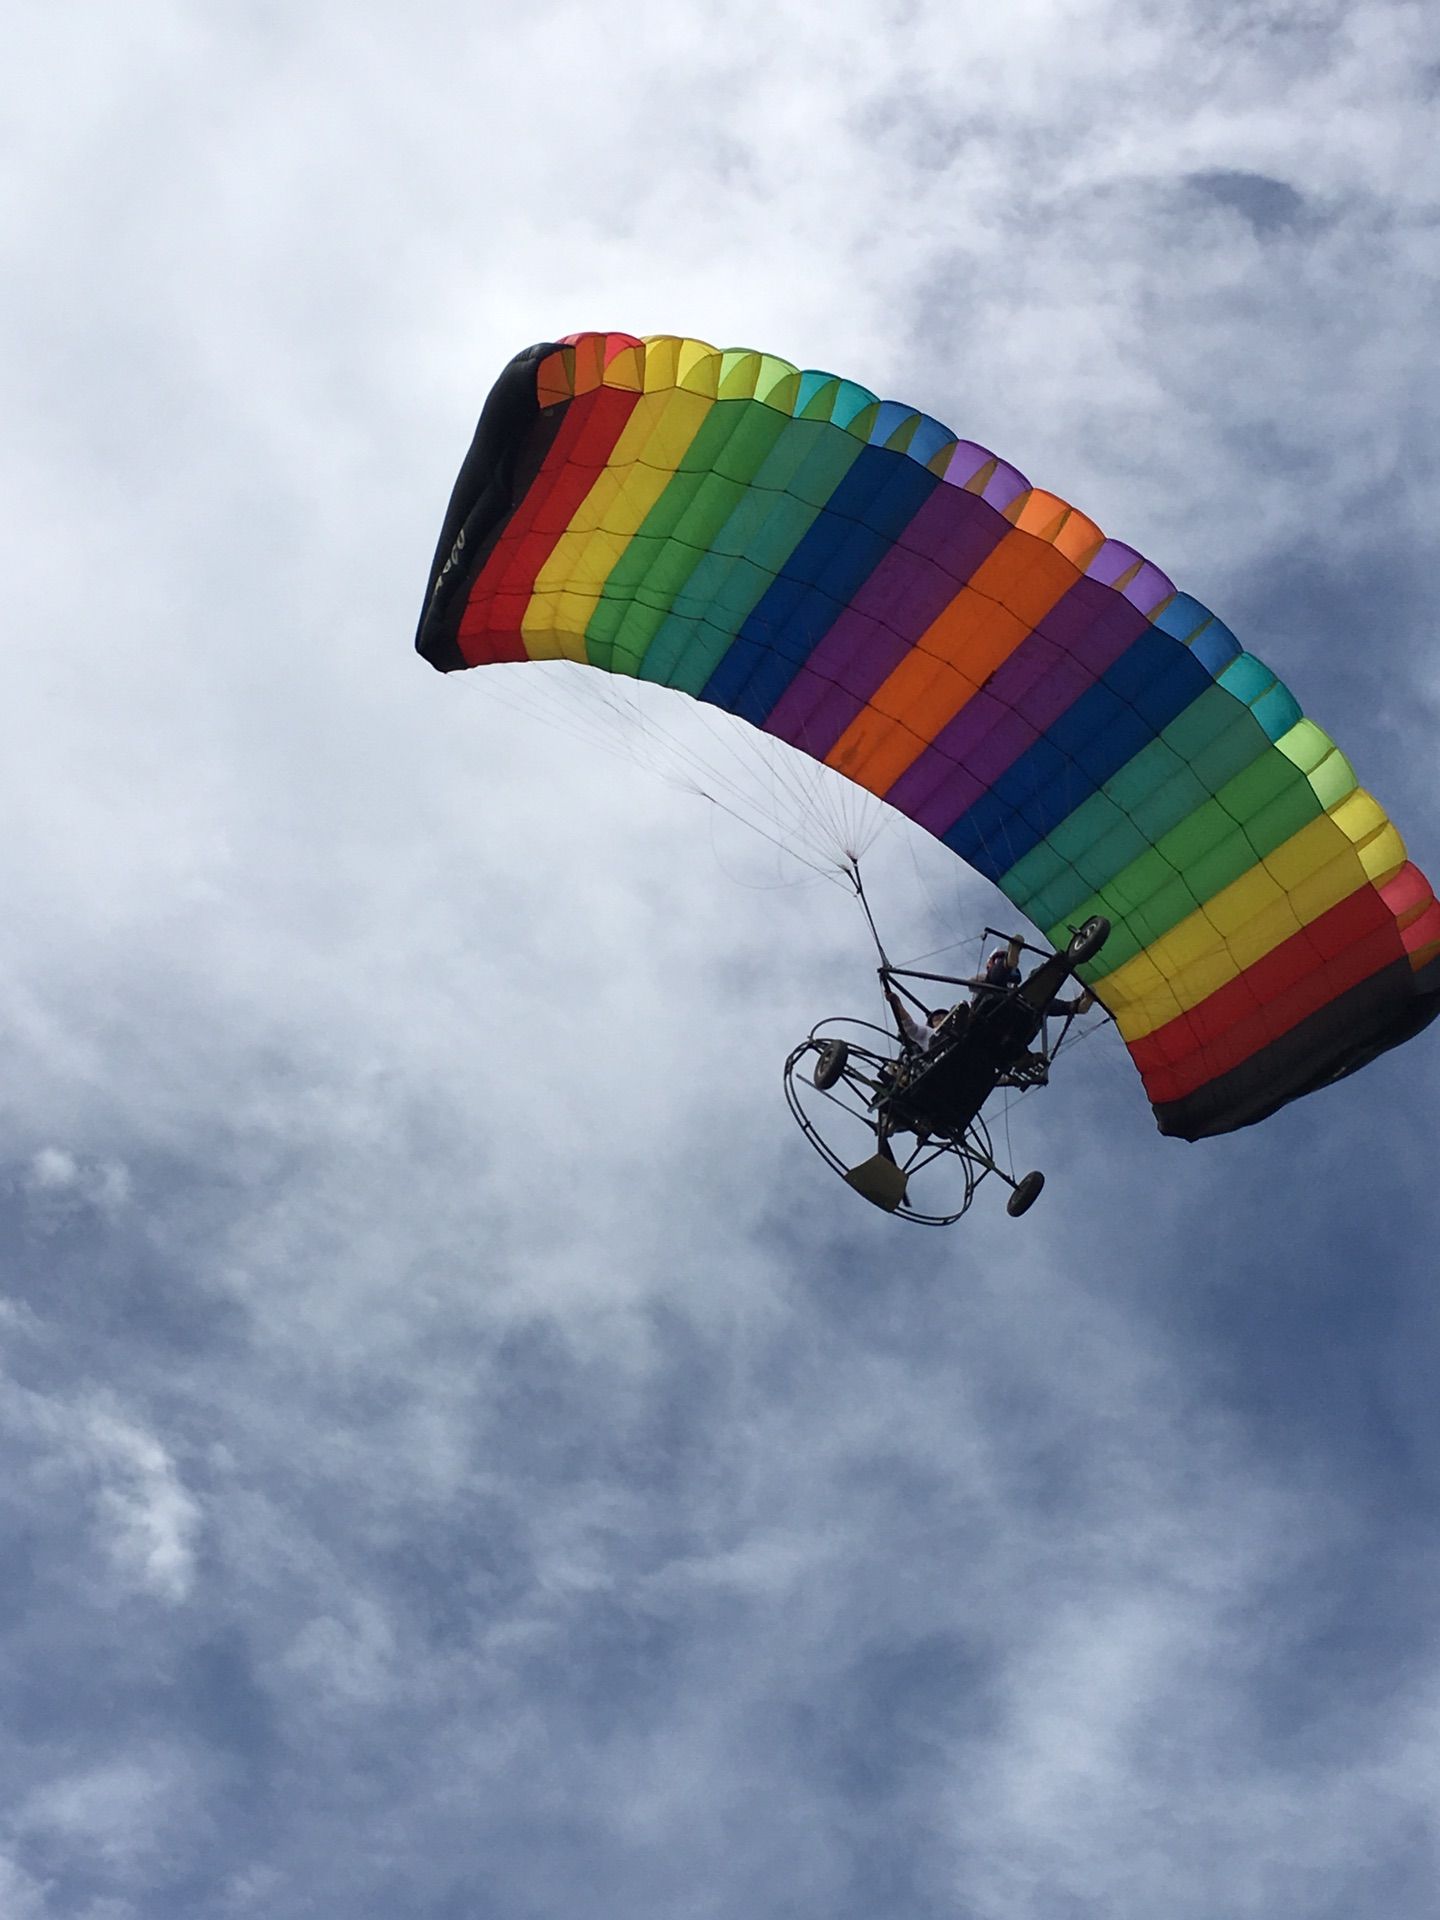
[62, 1188]
[149, 1520]
[349, 1663]
[119, 1815]
[21, 1896]
[53, 1170]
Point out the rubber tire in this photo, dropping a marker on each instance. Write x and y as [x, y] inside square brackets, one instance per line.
[1027, 1192]
[831, 1064]
[1087, 941]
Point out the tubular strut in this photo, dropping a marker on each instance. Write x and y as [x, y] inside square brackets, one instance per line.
[859, 886]
[887, 972]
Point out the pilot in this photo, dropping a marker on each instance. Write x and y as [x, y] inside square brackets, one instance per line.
[1000, 976]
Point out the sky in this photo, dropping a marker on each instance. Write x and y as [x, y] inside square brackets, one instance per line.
[464, 1455]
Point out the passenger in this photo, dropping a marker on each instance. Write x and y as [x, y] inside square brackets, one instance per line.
[942, 1026]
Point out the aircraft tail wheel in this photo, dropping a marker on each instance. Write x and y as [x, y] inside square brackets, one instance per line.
[830, 1064]
[1087, 940]
[1027, 1192]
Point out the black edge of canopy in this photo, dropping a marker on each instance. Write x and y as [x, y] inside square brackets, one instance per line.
[512, 438]
[1383, 1012]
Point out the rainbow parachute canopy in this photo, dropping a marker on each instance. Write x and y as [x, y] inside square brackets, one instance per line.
[847, 575]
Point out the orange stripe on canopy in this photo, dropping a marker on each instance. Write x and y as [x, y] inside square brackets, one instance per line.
[1006, 598]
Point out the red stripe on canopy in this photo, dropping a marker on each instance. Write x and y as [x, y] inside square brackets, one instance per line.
[495, 611]
[1353, 940]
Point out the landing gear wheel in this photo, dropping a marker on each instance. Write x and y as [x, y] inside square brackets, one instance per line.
[1087, 940]
[1027, 1192]
[830, 1064]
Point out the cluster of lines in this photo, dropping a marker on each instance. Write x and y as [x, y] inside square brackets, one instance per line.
[848, 576]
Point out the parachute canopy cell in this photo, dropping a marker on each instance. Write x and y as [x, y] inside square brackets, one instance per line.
[845, 574]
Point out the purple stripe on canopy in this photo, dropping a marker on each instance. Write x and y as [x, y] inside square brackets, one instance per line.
[966, 461]
[1081, 636]
[917, 579]
[1148, 590]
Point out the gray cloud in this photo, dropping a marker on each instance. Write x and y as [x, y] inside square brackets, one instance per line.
[1269, 206]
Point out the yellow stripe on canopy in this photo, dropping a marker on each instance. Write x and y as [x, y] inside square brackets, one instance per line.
[1353, 845]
